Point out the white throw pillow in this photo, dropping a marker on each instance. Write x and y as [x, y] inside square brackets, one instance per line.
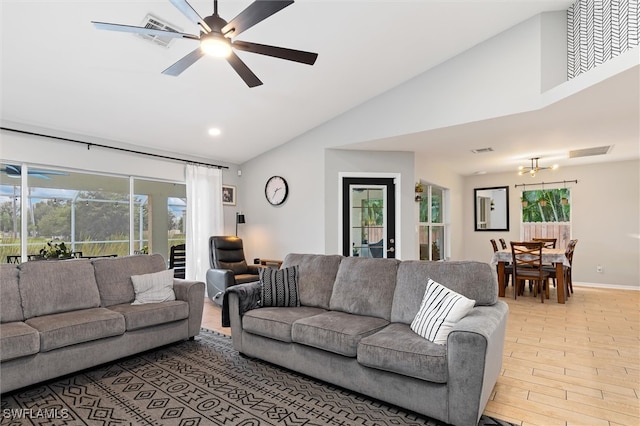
[440, 310]
[153, 288]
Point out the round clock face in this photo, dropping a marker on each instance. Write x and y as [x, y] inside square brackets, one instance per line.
[276, 190]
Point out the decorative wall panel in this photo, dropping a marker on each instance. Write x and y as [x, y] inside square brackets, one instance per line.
[598, 30]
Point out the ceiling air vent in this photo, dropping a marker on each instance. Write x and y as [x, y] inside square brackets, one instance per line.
[154, 23]
[481, 150]
[588, 152]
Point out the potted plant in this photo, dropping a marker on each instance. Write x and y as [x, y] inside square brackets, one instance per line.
[55, 250]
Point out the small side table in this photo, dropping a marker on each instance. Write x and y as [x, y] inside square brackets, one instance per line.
[271, 263]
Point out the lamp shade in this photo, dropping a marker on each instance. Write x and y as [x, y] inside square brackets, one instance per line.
[240, 218]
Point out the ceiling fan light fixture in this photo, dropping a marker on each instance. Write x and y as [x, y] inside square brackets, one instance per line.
[215, 45]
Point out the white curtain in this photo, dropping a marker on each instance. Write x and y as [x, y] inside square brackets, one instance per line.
[204, 217]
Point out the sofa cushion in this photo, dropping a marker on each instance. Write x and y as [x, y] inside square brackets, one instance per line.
[149, 314]
[397, 349]
[276, 323]
[70, 328]
[474, 280]
[153, 288]
[17, 339]
[113, 275]
[279, 287]
[53, 286]
[440, 310]
[365, 286]
[10, 301]
[335, 331]
[317, 273]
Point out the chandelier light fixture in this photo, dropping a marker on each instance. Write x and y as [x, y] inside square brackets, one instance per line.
[534, 168]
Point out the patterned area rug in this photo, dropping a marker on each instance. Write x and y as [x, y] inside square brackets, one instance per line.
[198, 383]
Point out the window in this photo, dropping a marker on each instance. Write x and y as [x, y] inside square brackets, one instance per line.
[433, 228]
[546, 213]
[90, 213]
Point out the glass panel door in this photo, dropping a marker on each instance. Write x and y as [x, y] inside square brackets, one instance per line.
[369, 217]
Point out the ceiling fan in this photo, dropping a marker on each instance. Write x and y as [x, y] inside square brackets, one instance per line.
[216, 36]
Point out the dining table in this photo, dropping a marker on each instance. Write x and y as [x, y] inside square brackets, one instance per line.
[555, 256]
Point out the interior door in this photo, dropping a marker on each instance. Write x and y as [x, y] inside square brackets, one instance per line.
[368, 217]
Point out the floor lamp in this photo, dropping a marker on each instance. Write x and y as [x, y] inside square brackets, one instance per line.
[239, 219]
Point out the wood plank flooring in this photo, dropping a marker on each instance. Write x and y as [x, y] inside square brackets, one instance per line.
[571, 364]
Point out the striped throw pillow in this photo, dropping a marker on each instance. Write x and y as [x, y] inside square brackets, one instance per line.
[279, 287]
[440, 310]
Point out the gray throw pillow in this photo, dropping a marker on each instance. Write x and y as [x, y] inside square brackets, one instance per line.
[279, 287]
[153, 288]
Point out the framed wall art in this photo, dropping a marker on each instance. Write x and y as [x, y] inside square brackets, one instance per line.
[228, 195]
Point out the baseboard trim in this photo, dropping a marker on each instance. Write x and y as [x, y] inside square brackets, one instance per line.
[609, 286]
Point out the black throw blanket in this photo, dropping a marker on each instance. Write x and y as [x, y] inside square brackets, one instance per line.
[249, 295]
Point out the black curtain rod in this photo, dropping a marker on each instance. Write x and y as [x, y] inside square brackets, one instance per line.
[546, 183]
[90, 144]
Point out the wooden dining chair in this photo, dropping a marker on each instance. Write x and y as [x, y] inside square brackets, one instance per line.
[566, 270]
[548, 242]
[527, 266]
[508, 269]
[503, 243]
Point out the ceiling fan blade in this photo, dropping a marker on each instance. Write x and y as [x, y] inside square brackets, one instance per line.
[184, 63]
[142, 30]
[257, 11]
[243, 71]
[191, 14]
[277, 52]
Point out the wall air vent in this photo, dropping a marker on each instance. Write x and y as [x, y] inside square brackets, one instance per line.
[154, 23]
[481, 150]
[588, 152]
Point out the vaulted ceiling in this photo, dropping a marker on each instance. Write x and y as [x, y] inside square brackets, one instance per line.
[60, 73]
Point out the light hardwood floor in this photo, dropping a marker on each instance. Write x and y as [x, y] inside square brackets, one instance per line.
[571, 364]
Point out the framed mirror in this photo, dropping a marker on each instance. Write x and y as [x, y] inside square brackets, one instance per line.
[491, 208]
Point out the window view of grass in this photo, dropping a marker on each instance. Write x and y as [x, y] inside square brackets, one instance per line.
[89, 213]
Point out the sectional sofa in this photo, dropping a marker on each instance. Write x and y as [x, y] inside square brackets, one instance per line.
[352, 328]
[59, 317]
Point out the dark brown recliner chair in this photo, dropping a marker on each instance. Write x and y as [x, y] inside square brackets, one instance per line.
[228, 267]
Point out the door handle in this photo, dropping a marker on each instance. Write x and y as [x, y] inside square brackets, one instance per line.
[392, 249]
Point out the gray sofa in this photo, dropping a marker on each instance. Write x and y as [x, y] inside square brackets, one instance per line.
[59, 317]
[353, 330]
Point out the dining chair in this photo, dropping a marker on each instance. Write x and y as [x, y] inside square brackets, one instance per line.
[548, 242]
[508, 269]
[503, 243]
[178, 260]
[527, 266]
[566, 270]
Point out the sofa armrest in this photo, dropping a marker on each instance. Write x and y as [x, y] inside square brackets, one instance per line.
[191, 292]
[474, 353]
[238, 300]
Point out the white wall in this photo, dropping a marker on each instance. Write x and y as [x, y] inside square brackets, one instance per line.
[365, 162]
[605, 212]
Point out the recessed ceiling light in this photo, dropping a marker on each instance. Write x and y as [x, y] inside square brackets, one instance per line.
[214, 131]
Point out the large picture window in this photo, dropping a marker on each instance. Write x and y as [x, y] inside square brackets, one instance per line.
[93, 214]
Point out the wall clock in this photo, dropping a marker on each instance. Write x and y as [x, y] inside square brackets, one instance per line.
[276, 190]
